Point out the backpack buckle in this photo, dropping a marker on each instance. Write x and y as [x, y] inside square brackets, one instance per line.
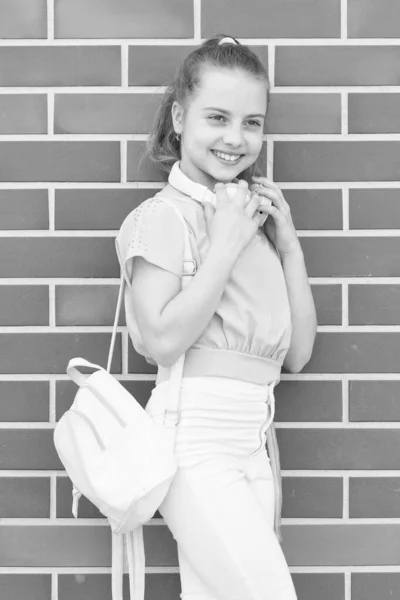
[177, 419]
[189, 267]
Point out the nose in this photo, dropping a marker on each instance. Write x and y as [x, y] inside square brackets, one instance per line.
[233, 136]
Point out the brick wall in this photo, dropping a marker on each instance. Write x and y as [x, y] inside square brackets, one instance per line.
[80, 80]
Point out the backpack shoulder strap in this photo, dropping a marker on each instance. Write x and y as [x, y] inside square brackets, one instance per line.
[189, 264]
[189, 268]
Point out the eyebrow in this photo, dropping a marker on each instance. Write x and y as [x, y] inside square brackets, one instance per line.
[228, 113]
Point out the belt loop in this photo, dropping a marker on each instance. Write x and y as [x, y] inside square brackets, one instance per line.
[271, 403]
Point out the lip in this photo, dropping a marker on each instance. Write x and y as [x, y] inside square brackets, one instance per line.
[233, 163]
[229, 153]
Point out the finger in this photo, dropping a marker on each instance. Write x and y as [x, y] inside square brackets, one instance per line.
[276, 198]
[271, 190]
[242, 192]
[209, 211]
[252, 206]
[220, 193]
[268, 183]
[274, 212]
[260, 218]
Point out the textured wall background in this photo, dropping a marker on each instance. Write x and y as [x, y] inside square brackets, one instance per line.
[80, 80]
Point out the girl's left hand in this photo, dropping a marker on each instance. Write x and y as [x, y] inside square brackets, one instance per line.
[279, 229]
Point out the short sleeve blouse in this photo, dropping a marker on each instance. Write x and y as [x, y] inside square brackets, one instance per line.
[253, 315]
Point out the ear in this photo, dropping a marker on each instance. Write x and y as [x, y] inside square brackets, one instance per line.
[177, 116]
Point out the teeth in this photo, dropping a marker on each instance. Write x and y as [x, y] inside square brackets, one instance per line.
[230, 157]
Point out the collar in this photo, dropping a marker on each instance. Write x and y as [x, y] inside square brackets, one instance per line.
[183, 184]
[197, 191]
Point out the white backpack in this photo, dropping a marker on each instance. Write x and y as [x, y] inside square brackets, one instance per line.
[116, 455]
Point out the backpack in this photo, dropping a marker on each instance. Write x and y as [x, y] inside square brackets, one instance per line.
[116, 455]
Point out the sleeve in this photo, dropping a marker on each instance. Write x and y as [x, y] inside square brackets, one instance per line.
[155, 232]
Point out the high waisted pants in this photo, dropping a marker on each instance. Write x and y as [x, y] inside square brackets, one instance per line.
[220, 506]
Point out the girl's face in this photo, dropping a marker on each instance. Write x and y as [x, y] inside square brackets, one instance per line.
[222, 125]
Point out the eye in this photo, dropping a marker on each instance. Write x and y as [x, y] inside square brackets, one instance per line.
[216, 117]
[254, 123]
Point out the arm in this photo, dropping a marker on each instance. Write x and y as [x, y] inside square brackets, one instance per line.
[170, 320]
[304, 320]
[280, 230]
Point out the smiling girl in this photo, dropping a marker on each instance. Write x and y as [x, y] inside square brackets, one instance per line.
[247, 312]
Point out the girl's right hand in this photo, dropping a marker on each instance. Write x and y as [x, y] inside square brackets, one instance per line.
[235, 220]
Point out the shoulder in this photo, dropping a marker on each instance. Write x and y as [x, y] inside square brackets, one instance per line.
[152, 215]
[154, 231]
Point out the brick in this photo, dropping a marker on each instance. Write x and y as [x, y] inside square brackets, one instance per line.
[137, 363]
[27, 66]
[50, 352]
[355, 352]
[374, 113]
[65, 394]
[304, 113]
[96, 209]
[308, 401]
[336, 161]
[98, 586]
[66, 390]
[17, 586]
[84, 546]
[24, 305]
[25, 498]
[374, 497]
[86, 509]
[369, 586]
[314, 586]
[312, 497]
[337, 65]
[304, 545]
[124, 19]
[58, 257]
[23, 19]
[374, 400]
[21, 113]
[26, 401]
[87, 305]
[339, 448]
[105, 113]
[315, 209]
[374, 304]
[271, 18]
[165, 62]
[140, 168]
[372, 19]
[328, 303]
[24, 209]
[141, 390]
[28, 449]
[59, 161]
[351, 257]
[341, 545]
[374, 209]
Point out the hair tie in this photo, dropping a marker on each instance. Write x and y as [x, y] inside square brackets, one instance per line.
[227, 40]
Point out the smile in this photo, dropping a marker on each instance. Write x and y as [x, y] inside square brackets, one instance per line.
[227, 158]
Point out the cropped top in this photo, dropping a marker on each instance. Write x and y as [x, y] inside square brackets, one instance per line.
[252, 319]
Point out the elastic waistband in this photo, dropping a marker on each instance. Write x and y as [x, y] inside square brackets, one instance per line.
[201, 362]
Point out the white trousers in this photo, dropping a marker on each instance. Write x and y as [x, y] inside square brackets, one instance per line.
[220, 506]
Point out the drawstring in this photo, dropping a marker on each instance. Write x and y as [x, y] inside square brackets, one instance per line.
[273, 453]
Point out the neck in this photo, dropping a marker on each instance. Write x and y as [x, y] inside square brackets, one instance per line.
[198, 176]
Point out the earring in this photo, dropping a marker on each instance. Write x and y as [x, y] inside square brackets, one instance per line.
[178, 136]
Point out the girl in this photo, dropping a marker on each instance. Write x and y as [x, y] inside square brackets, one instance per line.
[247, 311]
